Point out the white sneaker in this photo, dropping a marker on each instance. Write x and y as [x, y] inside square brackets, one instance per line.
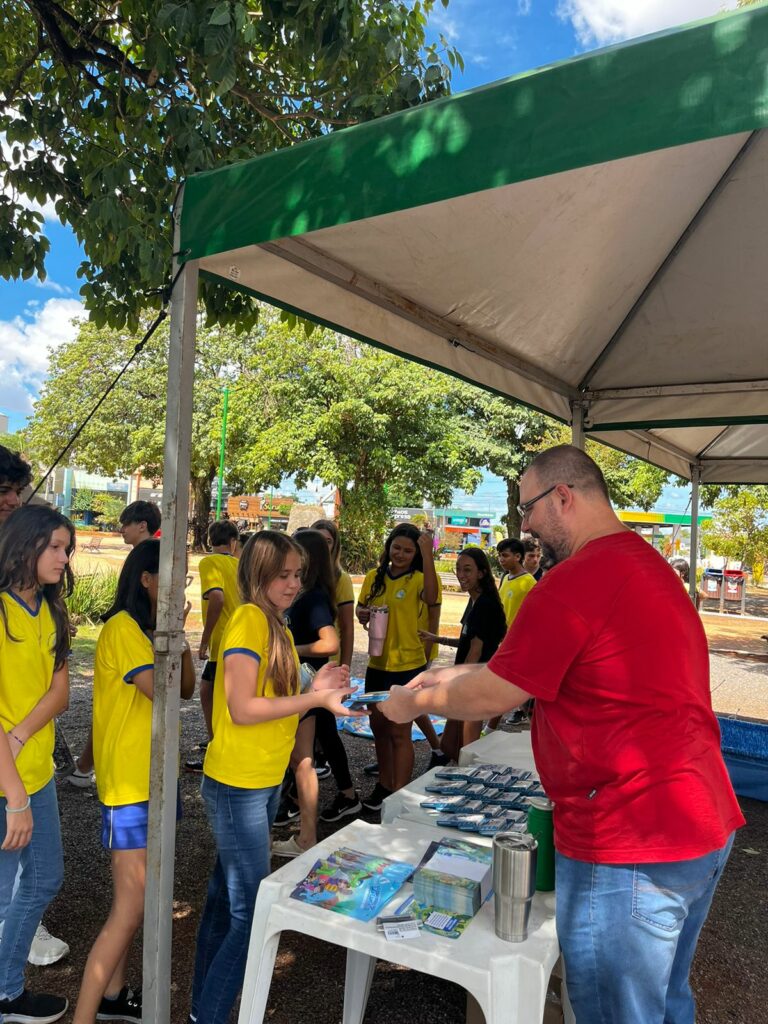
[46, 948]
[83, 780]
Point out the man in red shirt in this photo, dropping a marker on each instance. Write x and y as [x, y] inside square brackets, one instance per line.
[625, 741]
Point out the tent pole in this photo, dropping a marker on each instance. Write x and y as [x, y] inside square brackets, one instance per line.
[578, 416]
[169, 645]
[695, 480]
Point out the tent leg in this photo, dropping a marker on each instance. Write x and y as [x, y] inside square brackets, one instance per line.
[695, 480]
[578, 416]
[169, 645]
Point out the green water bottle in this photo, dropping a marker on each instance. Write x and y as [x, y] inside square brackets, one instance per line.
[540, 826]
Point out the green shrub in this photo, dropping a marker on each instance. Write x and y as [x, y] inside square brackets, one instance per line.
[93, 594]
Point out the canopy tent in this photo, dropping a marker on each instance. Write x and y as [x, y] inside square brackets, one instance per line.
[588, 238]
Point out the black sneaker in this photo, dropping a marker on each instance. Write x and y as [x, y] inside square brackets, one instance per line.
[438, 759]
[287, 811]
[372, 769]
[126, 1005]
[342, 807]
[376, 799]
[33, 1008]
[322, 771]
[196, 767]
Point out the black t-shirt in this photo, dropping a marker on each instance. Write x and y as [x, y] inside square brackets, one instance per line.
[306, 617]
[484, 619]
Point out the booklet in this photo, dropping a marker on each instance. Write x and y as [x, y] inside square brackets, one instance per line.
[360, 700]
[356, 884]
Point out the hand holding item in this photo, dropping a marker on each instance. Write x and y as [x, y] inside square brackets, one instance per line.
[333, 700]
[331, 677]
[401, 706]
[363, 615]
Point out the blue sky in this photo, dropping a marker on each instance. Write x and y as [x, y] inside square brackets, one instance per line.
[497, 38]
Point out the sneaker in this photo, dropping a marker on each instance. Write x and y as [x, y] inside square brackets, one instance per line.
[33, 1008]
[83, 780]
[126, 1005]
[287, 848]
[376, 799]
[372, 769]
[203, 746]
[342, 807]
[196, 767]
[437, 759]
[46, 948]
[322, 771]
[287, 811]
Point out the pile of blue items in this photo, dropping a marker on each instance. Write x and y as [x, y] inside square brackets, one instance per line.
[483, 798]
[362, 726]
[745, 749]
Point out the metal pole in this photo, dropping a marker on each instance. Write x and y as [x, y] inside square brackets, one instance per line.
[223, 450]
[578, 416]
[269, 512]
[169, 645]
[695, 480]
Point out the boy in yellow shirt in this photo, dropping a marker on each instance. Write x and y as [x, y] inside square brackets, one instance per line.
[516, 583]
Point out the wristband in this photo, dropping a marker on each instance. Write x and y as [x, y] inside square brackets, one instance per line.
[18, 739]
[19, 810]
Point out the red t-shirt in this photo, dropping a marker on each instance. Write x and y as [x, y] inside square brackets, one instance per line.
[624, 735]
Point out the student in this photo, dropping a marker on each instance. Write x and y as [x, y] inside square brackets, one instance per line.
[139, 521]
[404, 580]
[516, 583]
[311, 620]
[35, 547]
[123, 686]
[532, 558]
[483, 626]
[346, 803]
[256, 708]
[220, 597]
[683, 570]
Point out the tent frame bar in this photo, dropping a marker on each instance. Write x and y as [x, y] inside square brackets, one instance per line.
[314, 261]
[695, 481]
[661, 390]
[666, 263]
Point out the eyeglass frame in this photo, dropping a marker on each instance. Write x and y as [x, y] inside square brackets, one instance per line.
[526, 506]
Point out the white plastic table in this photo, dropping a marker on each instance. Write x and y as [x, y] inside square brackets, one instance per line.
[512, 748]
[507, 980]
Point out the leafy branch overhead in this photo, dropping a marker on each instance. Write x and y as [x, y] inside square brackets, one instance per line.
[107, 106]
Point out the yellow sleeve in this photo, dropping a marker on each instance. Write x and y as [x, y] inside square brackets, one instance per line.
[366, 588]
[211, 577]
[247, 632]
[130, 650]
[345, 593]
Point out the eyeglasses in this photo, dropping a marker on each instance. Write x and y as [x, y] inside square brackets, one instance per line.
[525, 508]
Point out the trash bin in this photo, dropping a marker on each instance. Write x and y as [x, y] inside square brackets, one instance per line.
[734, 581]
[711, 583]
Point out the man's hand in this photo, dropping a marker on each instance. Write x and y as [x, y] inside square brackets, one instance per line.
[331, 677]
[400, 707]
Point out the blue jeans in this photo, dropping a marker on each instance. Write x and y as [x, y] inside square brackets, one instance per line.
[241, 820]
[42, 872]
[628, 934]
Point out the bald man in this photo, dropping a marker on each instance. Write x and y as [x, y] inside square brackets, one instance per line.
[625, 740]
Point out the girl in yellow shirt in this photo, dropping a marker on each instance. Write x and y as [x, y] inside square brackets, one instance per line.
[256, 709]
[404, 581]
[123, 686]
[35, 547]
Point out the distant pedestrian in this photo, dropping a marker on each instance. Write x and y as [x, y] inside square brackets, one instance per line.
[139, 521]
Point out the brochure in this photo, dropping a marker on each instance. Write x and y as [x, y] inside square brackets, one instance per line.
[352, 883]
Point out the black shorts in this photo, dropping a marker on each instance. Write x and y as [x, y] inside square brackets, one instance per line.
[209, 672]
[379, 679]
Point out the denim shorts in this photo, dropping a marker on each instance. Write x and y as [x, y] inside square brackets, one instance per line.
[125, 827]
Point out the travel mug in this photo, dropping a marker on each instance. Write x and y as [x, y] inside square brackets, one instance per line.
[377, 629]
[540, 826]
[514, 883]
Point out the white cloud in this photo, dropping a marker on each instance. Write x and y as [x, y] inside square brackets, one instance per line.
[447, 26]
[606, 21]
[24, 345]
[52, 286]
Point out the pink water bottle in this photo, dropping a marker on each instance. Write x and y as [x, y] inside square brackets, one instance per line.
[377, 630]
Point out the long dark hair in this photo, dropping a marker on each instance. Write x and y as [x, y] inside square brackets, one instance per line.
[487, 582]
[132, 596]
[328, 526]
[24, 537]
[417, 565]
[318, 568]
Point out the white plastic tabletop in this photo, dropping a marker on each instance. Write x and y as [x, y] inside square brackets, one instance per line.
[470, 960]
[512, 748]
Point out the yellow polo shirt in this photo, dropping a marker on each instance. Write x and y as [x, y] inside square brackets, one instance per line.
[122, 714]
[26, 671]
[403, 650]
[513, 591]
[249, 756]
[219, 572]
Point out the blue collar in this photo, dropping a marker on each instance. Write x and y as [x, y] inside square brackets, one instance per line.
[32, 611]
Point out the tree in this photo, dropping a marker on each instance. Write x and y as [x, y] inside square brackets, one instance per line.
[739, 527]
[107, 107]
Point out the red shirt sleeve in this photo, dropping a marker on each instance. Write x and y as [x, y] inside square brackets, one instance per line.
[540, 645]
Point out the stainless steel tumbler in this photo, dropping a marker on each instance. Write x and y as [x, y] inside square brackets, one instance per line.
[514, 883]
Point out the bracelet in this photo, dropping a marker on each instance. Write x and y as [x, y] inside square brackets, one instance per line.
[19, 810]
[18, 739]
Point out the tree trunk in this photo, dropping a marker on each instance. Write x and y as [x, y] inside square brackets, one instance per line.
[512, 520]
[201, 494]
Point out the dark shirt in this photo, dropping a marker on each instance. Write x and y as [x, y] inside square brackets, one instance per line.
[306, 617]
[484, 619]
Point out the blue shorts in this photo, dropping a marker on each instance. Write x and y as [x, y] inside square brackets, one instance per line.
[125, 827]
